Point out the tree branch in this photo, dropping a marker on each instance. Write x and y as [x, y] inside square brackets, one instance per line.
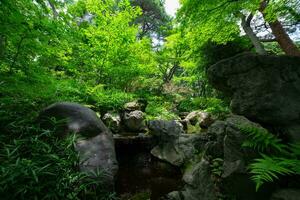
[268, 40]
[249, 19]
[221, 5]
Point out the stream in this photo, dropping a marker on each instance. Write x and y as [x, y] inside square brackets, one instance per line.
[141, 173]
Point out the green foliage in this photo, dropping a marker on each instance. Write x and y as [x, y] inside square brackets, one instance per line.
[218, 20]
[217, 166]
[277, 160]
[32, 39]
[109, 52]
[109, 100]
[104, 50]
[154, 19]
[213, 52]
[267, 169]
[38, 165]
[212, 105]
[260, 139]
[158, 108]
[34, 162]
[100, 54]
[273, 48]
[22, 97]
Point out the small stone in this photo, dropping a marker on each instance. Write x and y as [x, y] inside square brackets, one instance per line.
[134, 121]
[112, 121]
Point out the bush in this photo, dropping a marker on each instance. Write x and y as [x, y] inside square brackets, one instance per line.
[212, 105]
[22, 97]
[108, 100]
[157, 108]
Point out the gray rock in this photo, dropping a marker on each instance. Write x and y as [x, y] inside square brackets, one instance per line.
[236, 158]
[97, 154]
[216, 133]
[286, 194]
[200, 118]
[72, 117]
[165, 130]
[112, 121]
[174, 146]
[131, 106]
[134, 121]
[96, 148]
[167, 134]
[227, 143]
[140, 104]
[199, 184]
[264, 88]
[175, 195]
[224, 142]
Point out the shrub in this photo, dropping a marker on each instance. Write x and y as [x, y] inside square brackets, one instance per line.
[157, 108]
[106, 100]
[212, 105]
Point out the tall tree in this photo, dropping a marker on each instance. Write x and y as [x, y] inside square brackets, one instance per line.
[154, 18]
[218, 20]
[278, 31]
[109, 53]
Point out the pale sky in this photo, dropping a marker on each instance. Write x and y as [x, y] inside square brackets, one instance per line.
[172, 6]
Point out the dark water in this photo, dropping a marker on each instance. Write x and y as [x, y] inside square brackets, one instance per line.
[141, 172]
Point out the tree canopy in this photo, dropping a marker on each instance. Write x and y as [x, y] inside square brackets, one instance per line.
[219, 21]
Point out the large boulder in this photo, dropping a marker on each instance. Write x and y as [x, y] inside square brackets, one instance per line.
[173, 146]
[264, 88]
[229, 176]
[96, 147]
[226, 143]
[167, 134]
[237, 158]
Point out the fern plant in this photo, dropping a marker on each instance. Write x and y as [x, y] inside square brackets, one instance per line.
[261, 140]
[270, 167]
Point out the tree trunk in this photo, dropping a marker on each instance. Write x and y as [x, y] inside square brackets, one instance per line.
[249, 32]
[55, 13]
[283, 39]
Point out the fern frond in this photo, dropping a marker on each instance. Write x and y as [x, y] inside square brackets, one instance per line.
[260, 139]
[267, 169]
[295, 149]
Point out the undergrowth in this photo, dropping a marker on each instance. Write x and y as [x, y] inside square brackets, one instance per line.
[35, 163]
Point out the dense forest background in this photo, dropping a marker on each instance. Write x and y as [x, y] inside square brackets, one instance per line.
[104, 54]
